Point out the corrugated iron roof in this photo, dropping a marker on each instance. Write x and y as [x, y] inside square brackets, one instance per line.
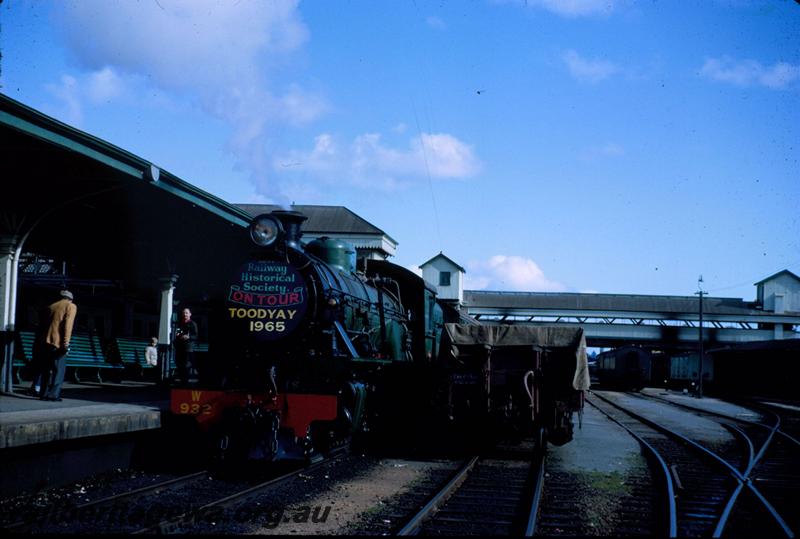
[606, 302]
[18, 117]
[323, 219]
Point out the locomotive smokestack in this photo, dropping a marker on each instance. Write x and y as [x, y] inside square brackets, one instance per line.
[291, 221]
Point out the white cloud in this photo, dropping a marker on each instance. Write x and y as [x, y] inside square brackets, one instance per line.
[750, 72]
[68, 93]
[299, 107]
[446, 156]
[588, 70]
[79, 92]
[325, 157]
[570, 8]
[368, 161]
[182, 43]
[513, 273]
[219, 54]
[104, 85]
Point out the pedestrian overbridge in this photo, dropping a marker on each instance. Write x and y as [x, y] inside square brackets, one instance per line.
[664, 321]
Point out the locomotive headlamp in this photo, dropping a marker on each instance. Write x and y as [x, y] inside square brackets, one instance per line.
[264, 230]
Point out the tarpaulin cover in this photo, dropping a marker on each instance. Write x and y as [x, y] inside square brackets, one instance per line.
[515, 335]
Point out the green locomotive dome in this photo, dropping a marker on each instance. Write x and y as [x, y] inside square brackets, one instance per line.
[334, 252]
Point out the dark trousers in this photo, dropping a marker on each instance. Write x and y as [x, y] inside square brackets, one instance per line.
[183, 364]
[38, 370]
[53, 377]
[42, 356]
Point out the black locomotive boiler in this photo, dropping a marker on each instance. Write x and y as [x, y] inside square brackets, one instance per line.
[309, 350]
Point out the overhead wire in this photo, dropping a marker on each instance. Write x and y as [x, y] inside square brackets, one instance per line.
[425, 78]
[754, 279]
[428, 174]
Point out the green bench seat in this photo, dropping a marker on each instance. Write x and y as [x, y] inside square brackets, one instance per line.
[21, 361]
[130, 352]
[85, 356]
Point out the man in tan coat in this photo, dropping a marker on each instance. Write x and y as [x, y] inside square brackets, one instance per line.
[56, 345]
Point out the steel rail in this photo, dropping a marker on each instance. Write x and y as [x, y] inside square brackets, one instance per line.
[150, 489]
[754, 460]
[770, 408]
[736, 474]
[190, 517]
[728, 509]
[703, 410]
[725, 416]
[413, 525]
[538, 487]
[672, 509]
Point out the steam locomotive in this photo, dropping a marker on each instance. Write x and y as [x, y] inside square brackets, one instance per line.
[317, 350]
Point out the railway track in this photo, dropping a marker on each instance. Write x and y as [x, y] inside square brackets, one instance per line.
[89, 510]
[773, 463]
[167, 507]
[707, 492]
[591, 493]
[486, 496]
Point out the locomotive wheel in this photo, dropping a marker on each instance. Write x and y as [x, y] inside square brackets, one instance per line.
[328, 435]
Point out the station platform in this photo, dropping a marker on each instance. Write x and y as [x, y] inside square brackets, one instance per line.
[87, 410]
[707, 403]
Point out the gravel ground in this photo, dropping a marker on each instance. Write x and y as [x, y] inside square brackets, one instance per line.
[701, 429]
[390, 513]
[596, 485]
[57, 499]
[352, 499]
[325, 500]
[335, 498]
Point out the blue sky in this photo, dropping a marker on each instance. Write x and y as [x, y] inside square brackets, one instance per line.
[579, 145]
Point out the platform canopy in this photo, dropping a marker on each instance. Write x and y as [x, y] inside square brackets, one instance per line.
[110, 214]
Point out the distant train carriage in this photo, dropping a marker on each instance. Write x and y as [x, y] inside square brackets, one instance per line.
[765, 369]
[684, 371]
[625, 368]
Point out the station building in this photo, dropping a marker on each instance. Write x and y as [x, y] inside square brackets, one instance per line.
[131, 241]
